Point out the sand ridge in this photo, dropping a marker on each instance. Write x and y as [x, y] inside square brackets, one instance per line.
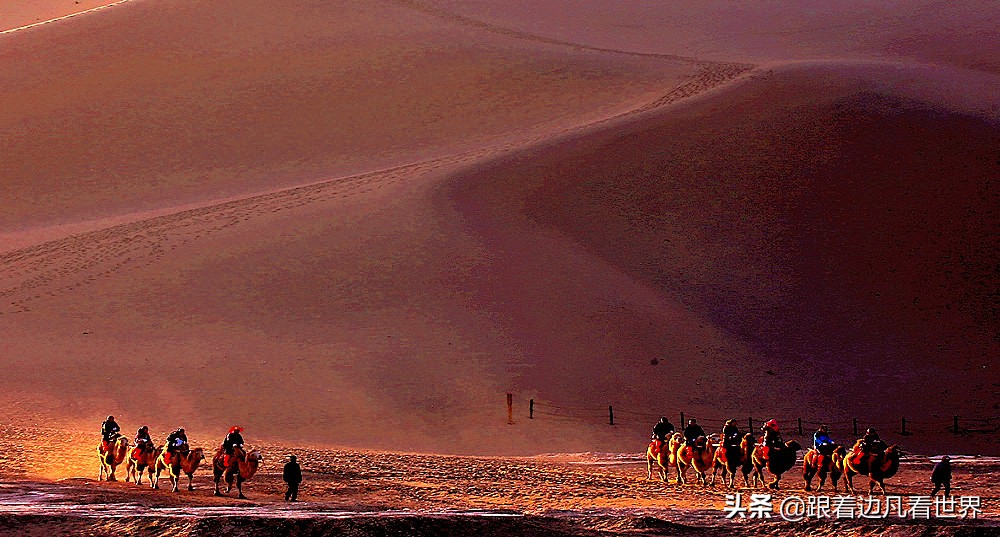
[64, 17]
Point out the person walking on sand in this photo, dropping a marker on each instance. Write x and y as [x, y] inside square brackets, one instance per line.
[941, 476]
[293, 476]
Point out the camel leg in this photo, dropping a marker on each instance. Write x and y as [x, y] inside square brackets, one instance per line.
[191, 481]
[757, 477]
[849, 481]
[218, 477]
[807, 475]
[649, 468]
[239, 487]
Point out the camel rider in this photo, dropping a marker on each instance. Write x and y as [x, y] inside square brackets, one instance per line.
[143, 442]
[871, 443]
[662, 429]
[176, 441]
[109, 429]
[822, 441]
[692, 432]
[232, 441]
[771, 438]
[730, 434]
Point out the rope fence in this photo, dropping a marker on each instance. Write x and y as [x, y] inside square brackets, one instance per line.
[960, 425]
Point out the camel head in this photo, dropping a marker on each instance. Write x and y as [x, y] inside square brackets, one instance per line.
[254, 459]
[894, 452]
[793, 445]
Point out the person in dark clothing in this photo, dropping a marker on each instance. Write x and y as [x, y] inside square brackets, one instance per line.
[662, 429]
[109, 428]
[176, 441]
[871, 443]
[822, 441]
[143, 442]
[232, 441]
[731, 434]
[941, 476]
[692, 432]
[293, 476]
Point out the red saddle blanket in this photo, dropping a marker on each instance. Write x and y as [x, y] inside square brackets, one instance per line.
[656, 446]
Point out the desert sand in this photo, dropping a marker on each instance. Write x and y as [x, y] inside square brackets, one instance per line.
[360, 225]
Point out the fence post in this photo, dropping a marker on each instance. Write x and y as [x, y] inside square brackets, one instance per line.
[903, 431]
[531, 409]
[611, 415]
[855, 420]
[955, 428]
[510, 409]
[750, 423]
[682, 421]
[800, 426]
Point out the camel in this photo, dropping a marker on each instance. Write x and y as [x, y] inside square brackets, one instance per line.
[701, 456]
[837, 465]
[778, 461]
[185, 462]
[138, 461]
[733, 458]
[242, 467]
[113, 457]
[877, 466]
[816, 463]
[661, 456]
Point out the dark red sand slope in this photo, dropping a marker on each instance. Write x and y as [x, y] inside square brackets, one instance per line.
[835, 231]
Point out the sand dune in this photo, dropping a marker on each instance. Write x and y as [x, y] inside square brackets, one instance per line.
[363, 224]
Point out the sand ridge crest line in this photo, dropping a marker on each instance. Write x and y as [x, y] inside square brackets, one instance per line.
[518, 34]
[40, 270]
[64, 17]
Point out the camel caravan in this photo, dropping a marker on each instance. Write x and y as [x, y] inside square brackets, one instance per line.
[732, 453]
[232, 461]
